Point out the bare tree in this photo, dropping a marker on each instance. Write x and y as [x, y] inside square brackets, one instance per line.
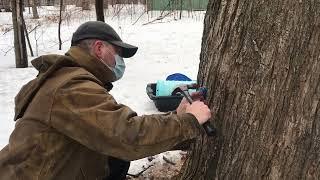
[60, 21]
[50, 2]
[27, 36]
[260, 61]
[99, 10]
[19, 39]
[34, 9]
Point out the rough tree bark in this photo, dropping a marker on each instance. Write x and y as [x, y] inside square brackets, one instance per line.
[260, 61]
[19, 39]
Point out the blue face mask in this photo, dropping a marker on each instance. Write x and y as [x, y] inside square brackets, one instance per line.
[119, 68]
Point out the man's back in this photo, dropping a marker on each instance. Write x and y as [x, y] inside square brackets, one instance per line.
[38, 151]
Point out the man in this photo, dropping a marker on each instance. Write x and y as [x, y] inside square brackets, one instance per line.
[68, 125]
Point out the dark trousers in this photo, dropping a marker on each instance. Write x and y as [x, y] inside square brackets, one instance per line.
[118, 169]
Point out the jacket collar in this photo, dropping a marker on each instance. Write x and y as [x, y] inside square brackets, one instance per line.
[91, 64]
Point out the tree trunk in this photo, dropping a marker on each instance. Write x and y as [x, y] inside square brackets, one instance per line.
[19, 39]
[27, 36]
[260, 61]
[85, 5]
[59, 25]
[99, 10]
[34, 9]
[50, 2]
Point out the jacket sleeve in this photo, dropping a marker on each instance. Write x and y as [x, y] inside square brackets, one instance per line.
[84, 111]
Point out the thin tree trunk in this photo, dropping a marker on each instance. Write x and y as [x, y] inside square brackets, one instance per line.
[59, 27]
[29, 6]
[27, 36]
[34, 9]
[19, 39]
[50, 2]
[99, 10]
[181, 3]
[260, 61]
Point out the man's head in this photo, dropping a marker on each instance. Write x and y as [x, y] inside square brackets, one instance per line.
[101, 31]
[102, 42]
[102, 50]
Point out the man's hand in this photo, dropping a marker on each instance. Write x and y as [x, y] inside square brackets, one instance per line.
[199, 110]
[196, 96]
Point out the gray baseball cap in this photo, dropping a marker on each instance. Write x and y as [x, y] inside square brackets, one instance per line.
[102, 31]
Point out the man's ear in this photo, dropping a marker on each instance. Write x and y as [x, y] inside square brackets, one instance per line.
[97, 48]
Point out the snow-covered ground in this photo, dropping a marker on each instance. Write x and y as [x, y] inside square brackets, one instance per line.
[165, 46]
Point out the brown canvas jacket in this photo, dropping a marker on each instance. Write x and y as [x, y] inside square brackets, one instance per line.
[67, 124]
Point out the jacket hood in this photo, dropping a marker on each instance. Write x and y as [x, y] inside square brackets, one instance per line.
[48, 64]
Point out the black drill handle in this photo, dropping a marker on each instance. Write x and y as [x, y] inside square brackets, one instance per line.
[207, 126]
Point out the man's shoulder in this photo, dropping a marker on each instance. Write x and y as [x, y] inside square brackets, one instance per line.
[64, 69]
[66, 74]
